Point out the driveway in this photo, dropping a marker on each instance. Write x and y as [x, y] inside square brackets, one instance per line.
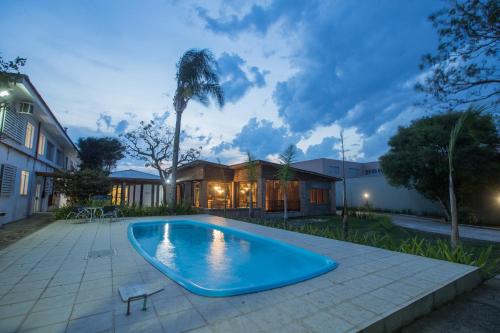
[430, 225]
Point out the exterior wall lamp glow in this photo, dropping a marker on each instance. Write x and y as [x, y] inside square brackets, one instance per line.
[4, 93]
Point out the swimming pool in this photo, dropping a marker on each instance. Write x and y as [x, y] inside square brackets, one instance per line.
[211, 260]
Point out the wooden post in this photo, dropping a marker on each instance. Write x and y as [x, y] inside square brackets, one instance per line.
[152, 195]
[122, 193]
[142, 195]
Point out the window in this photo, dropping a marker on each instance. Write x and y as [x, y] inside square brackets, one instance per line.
[49, 154]
[242, 194]
[219, 195]
[59, 157]
[41, 145]
[318, 196]
[196, 194]
[275, 197]
[7, 179]
[28, 137]
[25, 177]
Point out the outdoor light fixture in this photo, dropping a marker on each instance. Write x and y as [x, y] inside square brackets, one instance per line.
[366, 195]
[4, 93]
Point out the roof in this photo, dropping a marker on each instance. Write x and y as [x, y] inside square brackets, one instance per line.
[262, 162]
[63, 130]
[202, 162]
[133, 174]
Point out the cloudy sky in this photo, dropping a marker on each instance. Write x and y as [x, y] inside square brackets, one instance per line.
[293, 71]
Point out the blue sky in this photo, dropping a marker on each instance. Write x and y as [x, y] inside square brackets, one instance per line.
[293, 71]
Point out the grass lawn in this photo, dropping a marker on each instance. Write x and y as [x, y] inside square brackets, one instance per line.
[380, 232]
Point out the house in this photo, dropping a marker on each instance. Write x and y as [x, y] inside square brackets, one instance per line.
[213, 187]
[366, 183]
[136, 188]
[33, 144]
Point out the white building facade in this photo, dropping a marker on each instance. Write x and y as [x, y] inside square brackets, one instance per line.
[367, 184]
[33, 145]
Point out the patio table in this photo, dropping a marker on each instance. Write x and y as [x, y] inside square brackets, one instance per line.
[92, 210]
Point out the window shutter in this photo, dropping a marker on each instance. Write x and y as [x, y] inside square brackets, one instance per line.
[7, 179]
[14, 124]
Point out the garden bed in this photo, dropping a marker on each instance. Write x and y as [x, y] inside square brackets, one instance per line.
[378, 231]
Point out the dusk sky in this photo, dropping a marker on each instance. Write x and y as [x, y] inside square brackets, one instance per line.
[293, 71]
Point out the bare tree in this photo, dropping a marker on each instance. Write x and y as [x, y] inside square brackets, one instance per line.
[153, 143]
[345, 225]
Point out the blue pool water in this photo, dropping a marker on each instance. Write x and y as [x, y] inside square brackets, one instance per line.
[218, 261]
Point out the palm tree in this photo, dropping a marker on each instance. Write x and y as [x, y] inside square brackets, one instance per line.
[451, 188]
[285, 174]
[252, 178]
[196, 79]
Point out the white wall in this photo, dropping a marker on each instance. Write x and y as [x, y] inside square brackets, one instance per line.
[18, 206]
[384, 196]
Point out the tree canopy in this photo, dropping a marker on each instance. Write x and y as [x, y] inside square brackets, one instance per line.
[100, 153]
[464, 68]
[153, 143]
[418, 157]
[81, 185]
[9, 69]
[197, 79]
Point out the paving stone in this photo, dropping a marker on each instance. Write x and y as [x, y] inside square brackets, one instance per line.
[171, 305]
[44, 318]
[96, 323]
[324, 322]
[147, 326]
[54, 328]
[241, 324]
[11, 324]
[15, 309]
[91, 308]
[56, 301]
[182, 321]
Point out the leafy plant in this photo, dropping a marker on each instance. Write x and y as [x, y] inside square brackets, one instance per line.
[380, 235]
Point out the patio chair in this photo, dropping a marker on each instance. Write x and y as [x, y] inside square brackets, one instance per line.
[77, 213]
[111, 212]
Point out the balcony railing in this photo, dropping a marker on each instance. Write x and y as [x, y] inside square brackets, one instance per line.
[278, 205]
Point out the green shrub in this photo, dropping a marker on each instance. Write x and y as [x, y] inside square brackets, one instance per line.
[133, 211]
[417, 245]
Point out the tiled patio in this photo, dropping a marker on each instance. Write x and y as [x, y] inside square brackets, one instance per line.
[48, 285]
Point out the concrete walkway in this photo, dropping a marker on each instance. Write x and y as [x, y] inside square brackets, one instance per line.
[476, 311]
[49, 283]
[430, 225]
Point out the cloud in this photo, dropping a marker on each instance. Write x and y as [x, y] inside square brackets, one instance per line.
[260, 137]
[351, 61]
[259, 18]
[234, 80]
[121, 126]
[105, 124]
[325, 149]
